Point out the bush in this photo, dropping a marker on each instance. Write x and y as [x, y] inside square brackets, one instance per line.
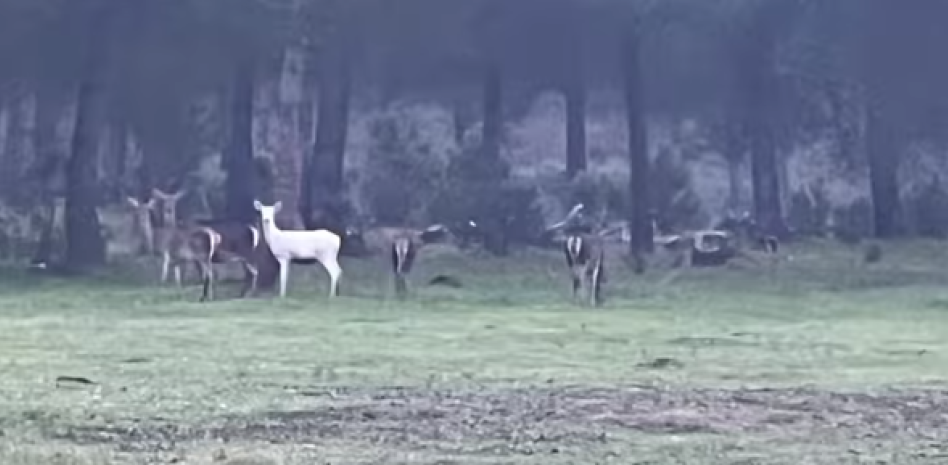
[927, 211]
[673, 198]
[810, 211]
[854, 221]
[402, 175]
[478, 188]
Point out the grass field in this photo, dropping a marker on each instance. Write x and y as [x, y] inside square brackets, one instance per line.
[820, 361]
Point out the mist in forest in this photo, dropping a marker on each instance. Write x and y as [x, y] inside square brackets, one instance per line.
[812, 116]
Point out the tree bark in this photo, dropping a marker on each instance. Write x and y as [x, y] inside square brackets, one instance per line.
[766, 179]
[759, 93]
[575, 96]
[288, 158]
[20, 147]
[85, 247]
[239, 161]
[640, 225]
[493, 108]
[883, 176]
[324, 205]
[574, 93]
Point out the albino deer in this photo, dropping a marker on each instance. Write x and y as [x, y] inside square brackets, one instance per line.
[321, 245]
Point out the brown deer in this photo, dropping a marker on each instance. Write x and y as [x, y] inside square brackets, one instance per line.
[585, 256]
[402, 246]
[157, 236]
[228, 242]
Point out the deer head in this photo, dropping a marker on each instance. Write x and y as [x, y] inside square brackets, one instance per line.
[267, 213]
[142, 218]
[169, 206]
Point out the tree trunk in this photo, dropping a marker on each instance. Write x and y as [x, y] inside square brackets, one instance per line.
[735, 199]
[493, 108]
[883, 176]
[324, 205]
[85, 247]
[764, 171]
[639, 222]
[20, 147]
[239, 161]
[462, 118]
[288, 158]
[575, 96]
[574, 93]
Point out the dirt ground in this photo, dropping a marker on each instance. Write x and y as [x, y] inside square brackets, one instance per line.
[501, 423]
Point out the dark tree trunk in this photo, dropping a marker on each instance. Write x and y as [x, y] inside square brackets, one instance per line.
[883, 180]
[239, 161]
[765, 175]
[493, 108]
[574, 92]
[324, 203]
[640, 225]
[85, 247]
[735, 155]
[759, 87]
[462, 118]
[20, 147]
[575, 96]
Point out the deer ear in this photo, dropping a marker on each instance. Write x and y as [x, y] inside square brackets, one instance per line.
[257, 205]
[277, 206]
[133, 202]
[158, 193]
[179, 194]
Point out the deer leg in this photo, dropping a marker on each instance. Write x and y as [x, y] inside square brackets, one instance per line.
[177, 273]
[250, 279]
[595, 279]
[207, 275]
[401, 285]
[335, 271]
[284, 274]
[165, 264]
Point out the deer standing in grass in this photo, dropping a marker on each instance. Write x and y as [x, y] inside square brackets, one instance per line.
[216, 242]
[321, 245]
[177, 244]
[584, 247]
[158, 238]
[585, 256]
[402, 246]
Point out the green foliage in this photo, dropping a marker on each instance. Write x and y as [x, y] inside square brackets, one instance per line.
[854, 220]
[479, 188]
[809, 211]
[927, 210]
[403, 175]
[672, 196]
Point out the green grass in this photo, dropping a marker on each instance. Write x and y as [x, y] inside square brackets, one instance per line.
[511, 337]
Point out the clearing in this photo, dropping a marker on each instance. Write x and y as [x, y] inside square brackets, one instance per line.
[819, 361]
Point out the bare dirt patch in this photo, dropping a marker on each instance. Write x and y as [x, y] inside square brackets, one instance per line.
[528, 421]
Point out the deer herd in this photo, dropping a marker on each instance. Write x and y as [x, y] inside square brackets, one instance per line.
[206, 243]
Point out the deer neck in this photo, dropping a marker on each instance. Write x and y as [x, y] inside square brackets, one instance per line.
[270, 232]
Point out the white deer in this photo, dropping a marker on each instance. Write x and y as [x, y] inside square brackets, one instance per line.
[321, 244]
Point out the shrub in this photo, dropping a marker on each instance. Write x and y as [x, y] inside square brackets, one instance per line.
[673, 199]
[478, 188]
[402, 175]
[927, 210]
[810, 211]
